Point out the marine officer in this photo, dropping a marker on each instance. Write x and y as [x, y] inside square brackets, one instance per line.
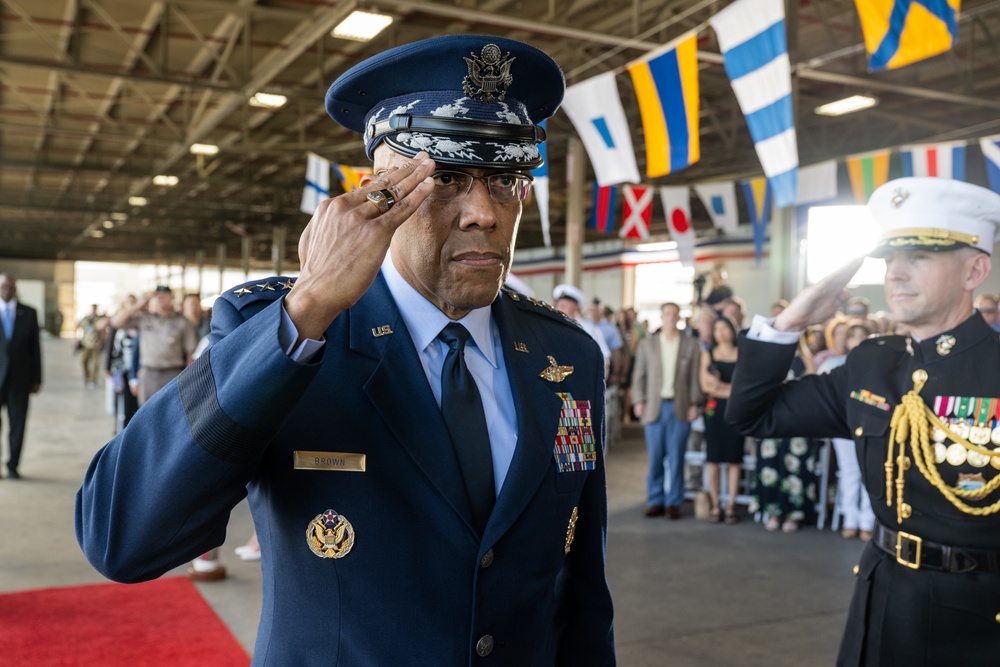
[408, 514]
[923, 411]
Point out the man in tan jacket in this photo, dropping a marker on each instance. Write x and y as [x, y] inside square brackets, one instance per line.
[667, 397]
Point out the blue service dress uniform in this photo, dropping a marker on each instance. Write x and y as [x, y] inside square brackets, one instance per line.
[417, 585]
[941, 606]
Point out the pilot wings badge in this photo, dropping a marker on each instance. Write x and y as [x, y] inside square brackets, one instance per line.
[555, 372]
[330, 535]
[489, 75]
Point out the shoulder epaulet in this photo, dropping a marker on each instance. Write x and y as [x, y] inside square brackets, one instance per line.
[256, 291]
[533, 305]
[892, 341]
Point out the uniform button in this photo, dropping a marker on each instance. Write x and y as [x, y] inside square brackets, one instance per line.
[487, 559]
[858, 431]
[857, 568]
[998, 618]
[484, 646]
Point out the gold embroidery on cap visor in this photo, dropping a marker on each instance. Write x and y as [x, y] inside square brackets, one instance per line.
[925, 237]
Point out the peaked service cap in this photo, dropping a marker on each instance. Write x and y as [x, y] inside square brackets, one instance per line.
[468, 100]
[929, 213]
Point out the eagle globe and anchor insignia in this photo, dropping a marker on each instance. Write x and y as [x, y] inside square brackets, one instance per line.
[489, 75]
[330, 535]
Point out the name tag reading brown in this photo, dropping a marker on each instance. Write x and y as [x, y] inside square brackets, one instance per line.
[344, 461]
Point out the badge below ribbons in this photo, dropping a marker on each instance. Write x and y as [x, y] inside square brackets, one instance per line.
[575, 448]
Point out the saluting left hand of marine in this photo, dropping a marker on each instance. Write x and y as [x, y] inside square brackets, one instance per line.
[342, 247]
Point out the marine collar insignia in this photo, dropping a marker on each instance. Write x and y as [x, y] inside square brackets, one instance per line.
[944, 345]
[555, 372]
[489, 75]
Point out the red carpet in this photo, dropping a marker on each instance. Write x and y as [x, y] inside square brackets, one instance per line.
[165, 623]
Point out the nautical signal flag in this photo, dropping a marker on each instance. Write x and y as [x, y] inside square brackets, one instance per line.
[720, 200]
[758, 197]
[637, 210]
[900, 32]
[349, 177]
[943, 160]
[602, 212]
[595, 108]
[751, 35]
[317, 183]
[867, 172]
[666, 87]
[677, 206]
[991, 151]
[540, 187]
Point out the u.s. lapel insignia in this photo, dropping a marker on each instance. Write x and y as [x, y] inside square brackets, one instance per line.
[383, 330]
[555, 372]
[489, 75]
[571, 530]
[330, 535]
[944, 345]
[520, 347]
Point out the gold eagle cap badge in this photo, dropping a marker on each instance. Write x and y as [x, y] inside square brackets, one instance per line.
[330, 535]
[555, 372]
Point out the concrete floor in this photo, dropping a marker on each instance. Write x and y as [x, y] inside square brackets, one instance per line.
[687, 593]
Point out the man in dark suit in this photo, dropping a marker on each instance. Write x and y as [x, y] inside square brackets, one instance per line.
[922, 409]
[20, 364]
[408, 514]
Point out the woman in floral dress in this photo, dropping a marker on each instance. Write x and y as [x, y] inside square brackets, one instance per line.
[785, 484]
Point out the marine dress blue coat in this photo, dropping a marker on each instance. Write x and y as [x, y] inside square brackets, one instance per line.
[418, 586]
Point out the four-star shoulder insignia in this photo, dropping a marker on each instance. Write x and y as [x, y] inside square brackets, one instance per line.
[266, 287]
[243, 290]
[288, 284]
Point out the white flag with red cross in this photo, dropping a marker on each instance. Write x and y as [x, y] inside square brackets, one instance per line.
[636, 212]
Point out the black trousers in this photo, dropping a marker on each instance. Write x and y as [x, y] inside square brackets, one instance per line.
[17, 415]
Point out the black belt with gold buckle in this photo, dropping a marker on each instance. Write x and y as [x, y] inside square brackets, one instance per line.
[917, 553]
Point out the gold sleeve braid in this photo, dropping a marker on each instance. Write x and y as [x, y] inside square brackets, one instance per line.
[910, 425]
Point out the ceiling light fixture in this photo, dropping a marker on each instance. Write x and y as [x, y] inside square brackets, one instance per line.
[117, 215]
[108, 224]
[361, 26]
[846, 105]
[165, 180]
[268, 101]
[204, 149]
[96, 234]
[137, 201]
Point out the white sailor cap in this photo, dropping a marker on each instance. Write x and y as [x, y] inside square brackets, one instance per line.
[934, 214]
[567, 291]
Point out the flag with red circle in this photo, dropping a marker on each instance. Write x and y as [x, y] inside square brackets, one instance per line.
[677, 206]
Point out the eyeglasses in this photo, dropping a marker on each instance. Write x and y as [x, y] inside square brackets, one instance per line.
[505, 188]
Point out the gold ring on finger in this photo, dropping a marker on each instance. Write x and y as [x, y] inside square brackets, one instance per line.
[383, 200]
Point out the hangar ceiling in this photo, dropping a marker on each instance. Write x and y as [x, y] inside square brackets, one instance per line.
[99, 96]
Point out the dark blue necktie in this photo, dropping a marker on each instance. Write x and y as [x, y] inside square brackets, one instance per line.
[463, 413]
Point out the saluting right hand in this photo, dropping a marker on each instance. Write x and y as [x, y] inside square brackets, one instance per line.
[818, 303]
[342, 247]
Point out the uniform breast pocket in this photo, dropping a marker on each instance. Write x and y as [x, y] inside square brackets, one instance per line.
[570, 482]
[871, 433]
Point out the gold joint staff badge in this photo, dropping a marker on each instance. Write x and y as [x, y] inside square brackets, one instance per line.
[330, 535]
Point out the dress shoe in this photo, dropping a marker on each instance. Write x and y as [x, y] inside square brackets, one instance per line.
[653, 510]
[13, 474]
[673, 512]
[247, 552]
[215, 574]
[790, 526]
[849, 533]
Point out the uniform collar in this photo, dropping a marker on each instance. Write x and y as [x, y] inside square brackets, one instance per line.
[955, 341]
[425, 321]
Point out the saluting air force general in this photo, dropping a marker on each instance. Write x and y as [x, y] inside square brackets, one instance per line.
[924, 411]
[423, 450]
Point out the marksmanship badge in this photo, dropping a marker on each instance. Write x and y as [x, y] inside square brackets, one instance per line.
[330, 535]
[489, 75]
